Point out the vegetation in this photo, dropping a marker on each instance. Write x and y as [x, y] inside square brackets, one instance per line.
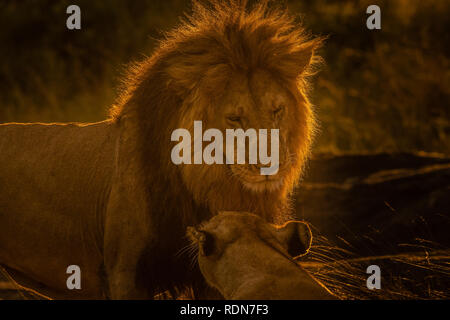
[384, 90]
[423, 273]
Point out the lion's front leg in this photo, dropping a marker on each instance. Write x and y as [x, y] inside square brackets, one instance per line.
[122, 254]
[126, 236]
[121, 284]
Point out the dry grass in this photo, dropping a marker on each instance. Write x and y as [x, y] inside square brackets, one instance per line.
[415, 275]
[423, 273]
[11, 290]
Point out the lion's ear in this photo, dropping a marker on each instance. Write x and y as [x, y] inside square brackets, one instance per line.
[303, 57]
[183, 76]
[196, 71]
[298, 60]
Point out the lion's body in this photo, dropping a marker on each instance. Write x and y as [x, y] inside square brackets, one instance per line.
[73, 194]
[53, 197]
[107, 196]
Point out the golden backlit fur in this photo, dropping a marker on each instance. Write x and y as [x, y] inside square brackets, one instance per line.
[184, 80]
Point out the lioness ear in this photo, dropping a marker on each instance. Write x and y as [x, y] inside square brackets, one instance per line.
[207, 244]
[204, 239]
[296, 237]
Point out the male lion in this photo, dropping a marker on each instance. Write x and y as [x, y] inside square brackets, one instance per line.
[107, 197]
[246, 258]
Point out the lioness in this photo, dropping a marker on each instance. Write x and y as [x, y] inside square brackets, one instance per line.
[107, 197]
[246, 258]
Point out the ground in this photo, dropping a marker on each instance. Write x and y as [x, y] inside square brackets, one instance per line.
[391, 210]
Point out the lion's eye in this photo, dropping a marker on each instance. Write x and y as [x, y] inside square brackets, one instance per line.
[278, 111]
[234, 119]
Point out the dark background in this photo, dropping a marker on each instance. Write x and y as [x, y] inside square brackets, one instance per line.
[382, 90]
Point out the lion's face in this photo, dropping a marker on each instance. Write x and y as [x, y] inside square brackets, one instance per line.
[229, 66]
[258, 101]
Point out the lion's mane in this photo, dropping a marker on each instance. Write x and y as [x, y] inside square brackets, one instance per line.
[187, 70]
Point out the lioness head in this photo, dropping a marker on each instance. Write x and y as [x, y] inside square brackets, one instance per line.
[246, 230]
[244, 257]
